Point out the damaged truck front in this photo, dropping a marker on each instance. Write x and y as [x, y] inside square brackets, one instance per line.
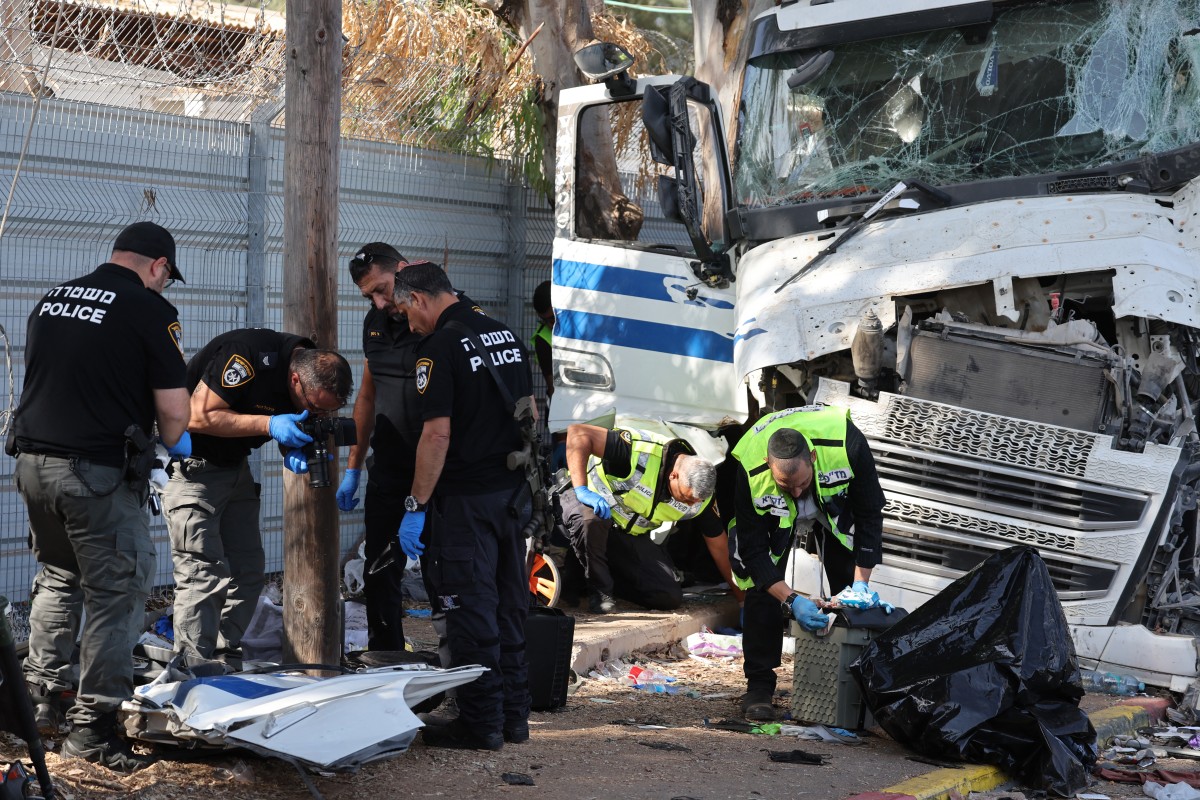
[972, 223]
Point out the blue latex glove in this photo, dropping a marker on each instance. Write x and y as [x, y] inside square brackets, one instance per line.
[182, 448]
[285, 429]
[805, 612]
[295, 461]
[410, 533]
[593, 501]
[345, 494]
[859, 595]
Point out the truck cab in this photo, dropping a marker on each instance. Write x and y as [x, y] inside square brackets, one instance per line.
[973, 224]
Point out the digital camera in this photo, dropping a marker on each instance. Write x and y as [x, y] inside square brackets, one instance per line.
[340, 430]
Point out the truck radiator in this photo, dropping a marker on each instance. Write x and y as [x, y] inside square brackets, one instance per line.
[990, 375]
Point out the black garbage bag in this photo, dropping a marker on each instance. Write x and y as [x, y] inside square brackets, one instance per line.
[985, 672]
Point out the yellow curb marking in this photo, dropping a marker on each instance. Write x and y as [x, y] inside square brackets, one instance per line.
[938, 784]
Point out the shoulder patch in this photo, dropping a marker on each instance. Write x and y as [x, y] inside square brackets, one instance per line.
[424, 369]
[626, 436]
[236, 372]
[176, 332]
[374, 334]
[478, 310]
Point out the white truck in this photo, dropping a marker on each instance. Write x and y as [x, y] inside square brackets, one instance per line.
[973, 223]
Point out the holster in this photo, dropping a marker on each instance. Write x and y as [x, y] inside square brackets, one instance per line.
[139, 454]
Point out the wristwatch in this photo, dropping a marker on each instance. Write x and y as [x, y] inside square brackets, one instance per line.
[411, 504]
[786, 606]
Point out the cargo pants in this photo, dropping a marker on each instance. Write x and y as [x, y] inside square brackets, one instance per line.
[91, 537]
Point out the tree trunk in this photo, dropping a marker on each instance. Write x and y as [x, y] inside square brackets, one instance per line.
[567, 27]
[311, 608]
[722, 43]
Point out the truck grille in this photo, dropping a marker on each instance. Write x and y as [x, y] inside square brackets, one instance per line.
[1021, 494]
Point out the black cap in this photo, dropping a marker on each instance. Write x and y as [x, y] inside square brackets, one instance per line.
[369, 252]
[149, 240]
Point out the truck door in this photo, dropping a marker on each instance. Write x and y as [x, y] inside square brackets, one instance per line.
[644, 304]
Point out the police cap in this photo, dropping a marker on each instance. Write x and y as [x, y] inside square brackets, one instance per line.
[149, 240]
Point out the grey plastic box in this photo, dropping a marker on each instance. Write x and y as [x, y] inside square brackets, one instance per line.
[823, 690]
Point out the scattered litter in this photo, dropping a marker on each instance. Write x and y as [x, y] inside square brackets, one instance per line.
[675, 748]
[1172, 791]
[794, 757]
[706, 643]
[517, 779]
[716, 696]
[1091, 796]
[821, 733]
[422, 613]
[642, 722]
[603, 701]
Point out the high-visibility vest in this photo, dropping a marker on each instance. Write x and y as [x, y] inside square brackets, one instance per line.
[824, 428]
[544, 333]
[635, 496]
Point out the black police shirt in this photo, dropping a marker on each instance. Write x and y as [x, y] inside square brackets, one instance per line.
[391, 351]
[95, 348]
[248, 369]
[453, 381]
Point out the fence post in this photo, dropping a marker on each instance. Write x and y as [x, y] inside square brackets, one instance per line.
[515, 244]
[257, 173]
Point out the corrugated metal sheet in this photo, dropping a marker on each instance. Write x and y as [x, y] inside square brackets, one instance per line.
[90, 170]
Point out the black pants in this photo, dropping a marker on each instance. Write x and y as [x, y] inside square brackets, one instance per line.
[476, 563]
[763, 619]
[617, 563]
[383, 511]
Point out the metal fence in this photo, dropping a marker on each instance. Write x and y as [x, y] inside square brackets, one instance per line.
[217, 186]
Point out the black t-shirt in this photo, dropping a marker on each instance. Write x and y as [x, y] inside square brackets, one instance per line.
[453, 381]
[95, 349]
[390, 348]
[248, 369]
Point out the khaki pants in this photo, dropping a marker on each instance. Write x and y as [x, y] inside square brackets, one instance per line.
[91, 538]
[216, 547]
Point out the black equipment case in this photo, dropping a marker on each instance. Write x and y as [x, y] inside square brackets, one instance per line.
[549, 635]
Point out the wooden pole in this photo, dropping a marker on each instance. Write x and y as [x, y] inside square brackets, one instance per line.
[311, 611]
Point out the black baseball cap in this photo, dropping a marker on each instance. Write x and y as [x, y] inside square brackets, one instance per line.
[152, 241]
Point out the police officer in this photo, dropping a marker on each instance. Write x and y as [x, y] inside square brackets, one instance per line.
[627, 483]
[247, 386]
[102, 355]
[388, 419]
[800, 465]
[476, 507]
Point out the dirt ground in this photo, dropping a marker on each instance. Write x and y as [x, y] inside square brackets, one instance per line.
[599, 746]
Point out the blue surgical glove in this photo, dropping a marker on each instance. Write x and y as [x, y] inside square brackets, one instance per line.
[295, 461]
[805, 612]
[593, 501]
[285, 429]
[410, 533]
[182, 448]
[345, 494]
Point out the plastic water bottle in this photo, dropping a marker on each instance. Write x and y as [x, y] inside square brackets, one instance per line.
[657, 688]
[643, 676]
[1111, 683]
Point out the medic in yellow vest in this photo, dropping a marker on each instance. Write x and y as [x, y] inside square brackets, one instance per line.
[627, 483]
[800, 465]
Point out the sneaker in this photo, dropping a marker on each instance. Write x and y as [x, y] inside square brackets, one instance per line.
[458, 736]
[601, 603]
[101, 745]
[757, 706]
[516, 733]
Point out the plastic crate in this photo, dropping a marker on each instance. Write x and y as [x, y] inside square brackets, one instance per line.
[823, 690]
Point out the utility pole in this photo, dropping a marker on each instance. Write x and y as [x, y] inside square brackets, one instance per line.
[311, 613]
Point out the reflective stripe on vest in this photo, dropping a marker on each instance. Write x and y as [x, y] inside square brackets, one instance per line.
[632, 496]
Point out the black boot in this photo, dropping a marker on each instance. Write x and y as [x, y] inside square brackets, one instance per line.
[98, 743]
[47, 710]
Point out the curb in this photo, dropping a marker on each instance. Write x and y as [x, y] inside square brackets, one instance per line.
[940, 784]
[624, 632]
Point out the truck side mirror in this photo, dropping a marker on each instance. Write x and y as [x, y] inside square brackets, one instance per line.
[607, 62]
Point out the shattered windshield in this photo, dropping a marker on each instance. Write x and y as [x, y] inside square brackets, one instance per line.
[1049, 87]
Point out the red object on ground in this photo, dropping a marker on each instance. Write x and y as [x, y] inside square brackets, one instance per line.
[1156, 707]
[1163, 776]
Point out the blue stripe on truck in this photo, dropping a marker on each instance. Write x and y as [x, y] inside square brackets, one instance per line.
[640, 335]
[631, 283]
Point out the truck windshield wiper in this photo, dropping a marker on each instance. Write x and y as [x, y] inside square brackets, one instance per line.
[858, 224]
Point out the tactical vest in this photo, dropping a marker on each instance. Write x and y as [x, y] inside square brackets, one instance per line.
[824, 428]
[632, 497]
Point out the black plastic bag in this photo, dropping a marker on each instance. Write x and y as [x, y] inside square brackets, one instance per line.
[985, 672]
